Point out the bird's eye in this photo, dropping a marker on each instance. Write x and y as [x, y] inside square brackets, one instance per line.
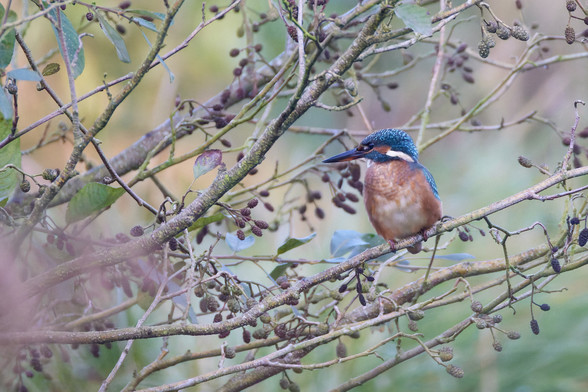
[365, 147]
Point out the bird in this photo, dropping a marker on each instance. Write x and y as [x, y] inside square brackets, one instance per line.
[400, 194]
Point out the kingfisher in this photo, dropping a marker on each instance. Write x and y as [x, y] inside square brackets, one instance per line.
[400, 194]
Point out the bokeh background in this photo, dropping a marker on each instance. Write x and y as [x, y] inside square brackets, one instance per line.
[472, 169]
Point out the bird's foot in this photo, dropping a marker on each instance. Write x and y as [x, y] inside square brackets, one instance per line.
[424, 234]
[392, 245]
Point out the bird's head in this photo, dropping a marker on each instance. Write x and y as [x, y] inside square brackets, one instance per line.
[381, 146]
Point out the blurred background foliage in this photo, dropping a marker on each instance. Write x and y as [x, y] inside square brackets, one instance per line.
[472, 169]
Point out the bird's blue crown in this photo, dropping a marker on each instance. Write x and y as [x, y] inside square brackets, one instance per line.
[396, 139]
[400, 141]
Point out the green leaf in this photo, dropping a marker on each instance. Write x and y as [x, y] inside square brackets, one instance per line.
[207, 161]
[50, 69]
[9, 154]
[279, 270]
[149, 14]
[6, 48]
[455, 257]
[335, 260]
[145, 23]
[115, 38]
[352, 242]
[172, 77]
[6, 107]
[180, 300]
[7, 40]
[292, 243]
[415, 17]
[236, 244]
[73, 43]
[206, 220]
[343, 241]
[92, 198]
[164, 65]
[24, 74]
[371, 240]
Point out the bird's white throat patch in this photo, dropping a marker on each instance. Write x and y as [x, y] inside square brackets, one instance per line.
[400, 154]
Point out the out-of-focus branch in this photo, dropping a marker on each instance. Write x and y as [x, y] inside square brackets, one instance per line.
[51, 191]
[225, 180]
[446, 336]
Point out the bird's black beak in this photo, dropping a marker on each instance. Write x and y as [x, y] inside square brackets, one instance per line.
[346, 156]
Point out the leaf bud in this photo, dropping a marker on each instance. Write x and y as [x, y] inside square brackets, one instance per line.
[261, 224]
[50, 174]
[518, 32]
[246, 336]
[256, 230]
[583, 237]
[525, 162]
[513, 335]
[534, 326]
[477, 306]
[503, 32]
[230, 352]
[25, 186]
[416, 315]
[136, 231]
[446, 354]
[455, 371]
[491, 27]
[570, 35]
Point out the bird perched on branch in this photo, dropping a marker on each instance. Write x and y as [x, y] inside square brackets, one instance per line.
[400, 194]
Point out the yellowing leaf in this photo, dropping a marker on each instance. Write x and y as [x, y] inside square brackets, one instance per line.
[207, 161]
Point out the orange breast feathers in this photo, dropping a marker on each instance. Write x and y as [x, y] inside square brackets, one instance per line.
[399, 200]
